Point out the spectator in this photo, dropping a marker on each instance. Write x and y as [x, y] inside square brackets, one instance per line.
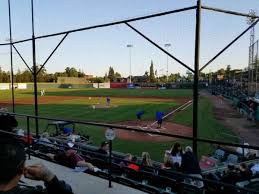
[230, 175]
[43, 140]
[134, 166]
[190, 166]
[245, 172]
[71, 159]
[8, 122]
[146, 161]
[176, 153]
[126, 159]
[104, 149]
[254, 168]
[12, 167]
[168, 164]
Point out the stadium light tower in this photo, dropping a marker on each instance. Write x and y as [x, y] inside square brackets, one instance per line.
[167, 45]
[130, 46]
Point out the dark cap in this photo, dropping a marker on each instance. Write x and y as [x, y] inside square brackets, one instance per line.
[104, 143]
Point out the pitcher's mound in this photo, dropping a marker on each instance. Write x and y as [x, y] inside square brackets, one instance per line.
[167, 127]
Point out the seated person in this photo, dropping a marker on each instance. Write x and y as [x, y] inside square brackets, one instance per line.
[230, 175]
[244, 172]
[190, 166]
[168, 164]
[43, 140]
[146, 161]
[134, 166]
[12, 167]
[126, 159]
[176, 154]
[8, 122]
[104, 149]
[254, 169]
[71, 159]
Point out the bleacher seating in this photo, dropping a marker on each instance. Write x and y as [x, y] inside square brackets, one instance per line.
[148, 179]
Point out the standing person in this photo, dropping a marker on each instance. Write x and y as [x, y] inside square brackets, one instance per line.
[159, 119]
[146, 160]
[190, 166]
[108, 101]
[12, 167]
[139, 114]
[176, 154]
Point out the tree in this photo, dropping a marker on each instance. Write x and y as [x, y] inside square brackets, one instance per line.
[189, 75]
[71, 72]
[111, 74]
[117, 75]
[227, 72]
[152, 77]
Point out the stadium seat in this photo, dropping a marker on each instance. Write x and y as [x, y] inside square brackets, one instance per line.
[102, 164]
[148, 189]
[219, 154]
[169, 173]
[189, 189]
[253, 184]
[232, 159]
[131, 174]
[126, 181]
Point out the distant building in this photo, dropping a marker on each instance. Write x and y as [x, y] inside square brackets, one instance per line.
[88, 77]
[120, 80]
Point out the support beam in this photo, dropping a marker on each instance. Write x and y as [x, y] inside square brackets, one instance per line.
[11, 53]
[196, 78]
[160, 48]
[231, 43]
[228, 12]
[52, 53]
[36, 111]
[22, 58]
[110, 23]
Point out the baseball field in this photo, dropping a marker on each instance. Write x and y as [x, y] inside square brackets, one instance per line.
[91, 105]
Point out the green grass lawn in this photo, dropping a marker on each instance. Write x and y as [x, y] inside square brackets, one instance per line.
[80, 109]
[103, 92]
[208, 127]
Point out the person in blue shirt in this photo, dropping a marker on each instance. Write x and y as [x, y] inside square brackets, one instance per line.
[159, 118]
[139, 114]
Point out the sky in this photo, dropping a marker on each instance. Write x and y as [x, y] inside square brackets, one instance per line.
[95, 50]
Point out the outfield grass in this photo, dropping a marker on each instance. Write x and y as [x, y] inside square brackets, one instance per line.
[80, 109]
[103, 92]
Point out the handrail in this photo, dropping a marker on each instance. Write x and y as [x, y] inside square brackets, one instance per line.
[127, 128]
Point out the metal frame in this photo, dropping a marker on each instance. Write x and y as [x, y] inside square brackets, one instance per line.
[122, 127]
[196, 70]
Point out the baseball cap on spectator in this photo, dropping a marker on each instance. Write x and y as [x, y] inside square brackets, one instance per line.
[104, 143]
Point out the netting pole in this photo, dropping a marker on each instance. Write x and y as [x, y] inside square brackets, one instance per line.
[196, 77]
[11, 53]
[34, 72]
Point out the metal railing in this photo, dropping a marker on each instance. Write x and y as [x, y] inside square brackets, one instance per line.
[126, 128]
